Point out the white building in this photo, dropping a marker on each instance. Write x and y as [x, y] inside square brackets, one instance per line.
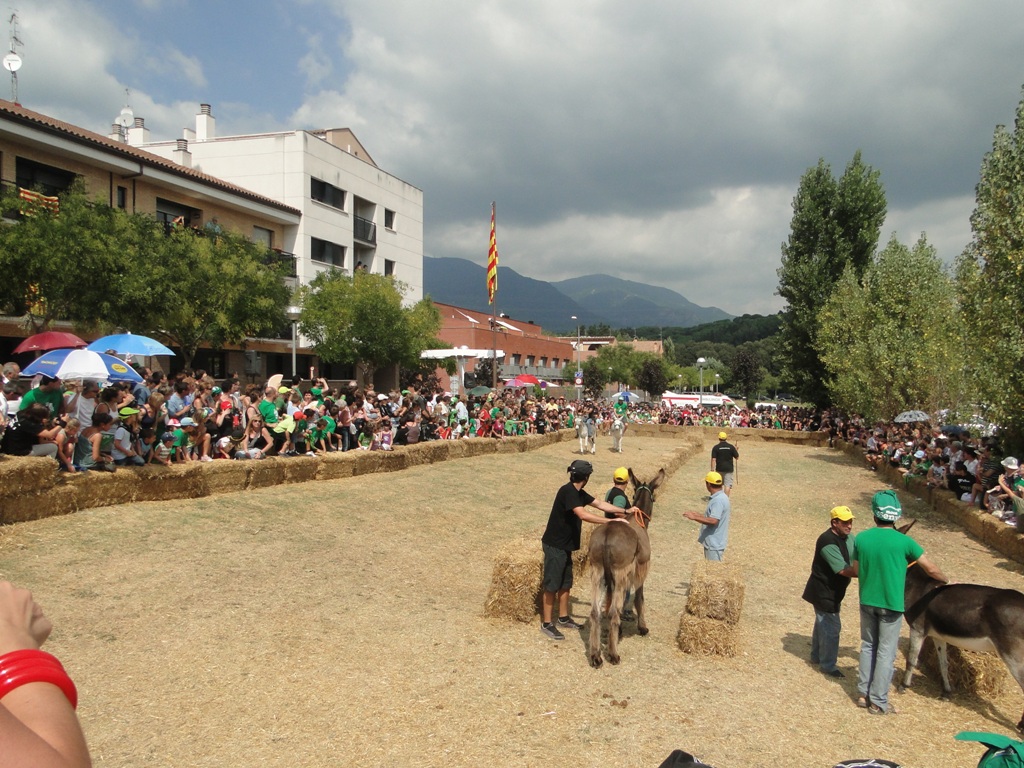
[353, 212]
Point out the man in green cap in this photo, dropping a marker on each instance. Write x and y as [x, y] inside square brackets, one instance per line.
[880, 563]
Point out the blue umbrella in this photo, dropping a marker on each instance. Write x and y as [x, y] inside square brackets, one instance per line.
[81, 364]
[631, 397]
[129, 344]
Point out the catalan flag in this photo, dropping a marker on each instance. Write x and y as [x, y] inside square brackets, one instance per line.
[492, 263]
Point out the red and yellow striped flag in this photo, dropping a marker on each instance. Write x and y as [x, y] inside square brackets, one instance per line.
[492, 263]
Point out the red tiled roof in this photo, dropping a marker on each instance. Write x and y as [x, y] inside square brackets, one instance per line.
[17, 113]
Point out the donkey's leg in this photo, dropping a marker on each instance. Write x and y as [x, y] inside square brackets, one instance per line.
[596, 591]
[913, 652]
[1012, 655]
[940, 648]
[638, 598]
[614, 627]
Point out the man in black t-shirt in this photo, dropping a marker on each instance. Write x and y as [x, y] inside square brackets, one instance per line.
[723, 458]
[561, 538]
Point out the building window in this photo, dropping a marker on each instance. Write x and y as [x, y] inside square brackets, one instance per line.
[41, 178]
[389, 268]
[389, 219]
[122, 197]
[328, 194]
[326, 252]
[543, 362]
[516, 359]
[173, 215]
[529, 361]
[263, 236]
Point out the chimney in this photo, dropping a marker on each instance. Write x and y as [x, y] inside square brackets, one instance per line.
[206, 124]
[115, 133]
[138, 134]
[181, 154]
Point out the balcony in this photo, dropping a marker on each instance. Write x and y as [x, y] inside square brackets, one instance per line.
[547, 373]
[364, 230]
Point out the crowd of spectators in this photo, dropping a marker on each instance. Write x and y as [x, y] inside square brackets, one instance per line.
[975, 468]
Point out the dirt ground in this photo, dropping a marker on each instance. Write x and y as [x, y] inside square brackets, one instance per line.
[341, 623]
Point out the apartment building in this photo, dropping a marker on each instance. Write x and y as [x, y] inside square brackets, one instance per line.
[354, 215]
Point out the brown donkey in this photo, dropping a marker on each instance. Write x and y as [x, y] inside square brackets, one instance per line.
[619, 557]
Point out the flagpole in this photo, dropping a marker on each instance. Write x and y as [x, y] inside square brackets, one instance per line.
[492, 289]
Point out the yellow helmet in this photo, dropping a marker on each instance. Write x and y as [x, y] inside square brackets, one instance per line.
[713, 478]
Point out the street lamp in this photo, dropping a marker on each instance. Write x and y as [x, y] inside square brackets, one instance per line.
[292, 313]
[700, 365]
[679, 383]
[579, 372]
[716, 383]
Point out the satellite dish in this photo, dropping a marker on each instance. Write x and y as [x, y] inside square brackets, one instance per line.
[12, 62]
[127, 118]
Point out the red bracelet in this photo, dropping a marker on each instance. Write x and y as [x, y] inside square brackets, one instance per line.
[19, 668]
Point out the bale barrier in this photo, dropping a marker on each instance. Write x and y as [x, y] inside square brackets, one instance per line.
[709, 625]
[982, 675]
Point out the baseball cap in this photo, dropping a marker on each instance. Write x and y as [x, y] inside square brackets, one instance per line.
[382, 397]
[580, 467]
[885, 505]
[188, 421]
[216, 390]
[1010, 463]
[919, 455]
[841, 513]
[713, 478]
[722, 435]
[621, 475]
[126, 411]
[282, 390]
[166, 436]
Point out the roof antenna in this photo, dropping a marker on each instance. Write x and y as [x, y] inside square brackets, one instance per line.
[12, 61]
[126, 119]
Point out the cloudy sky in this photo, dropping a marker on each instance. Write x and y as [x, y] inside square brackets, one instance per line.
[660, 141]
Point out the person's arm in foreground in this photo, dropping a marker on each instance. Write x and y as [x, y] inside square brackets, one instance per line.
[932, 569]
[38, 726]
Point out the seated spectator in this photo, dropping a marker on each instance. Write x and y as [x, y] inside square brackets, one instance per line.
[146, 441]
[163, 453]
[938, 472]
[92, 449]
[256, 440]
[66, 440]
[31, 434]
[124, 449]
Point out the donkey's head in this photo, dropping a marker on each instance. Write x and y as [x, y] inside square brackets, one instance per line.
[644, 497]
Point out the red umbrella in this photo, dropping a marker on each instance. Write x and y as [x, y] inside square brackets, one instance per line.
[48, 340]
[528, 379]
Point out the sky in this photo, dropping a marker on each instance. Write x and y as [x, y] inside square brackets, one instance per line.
[660, 141]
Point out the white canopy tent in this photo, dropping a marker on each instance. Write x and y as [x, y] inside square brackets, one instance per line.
[462, 355]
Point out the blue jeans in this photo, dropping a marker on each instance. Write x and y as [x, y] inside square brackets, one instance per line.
[879, 639]
[714, 554]
[825, 640]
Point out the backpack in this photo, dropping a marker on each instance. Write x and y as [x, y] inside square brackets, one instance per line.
[1003, 752]
[680, 759]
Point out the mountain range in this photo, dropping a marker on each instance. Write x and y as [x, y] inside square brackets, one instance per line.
[594, 299]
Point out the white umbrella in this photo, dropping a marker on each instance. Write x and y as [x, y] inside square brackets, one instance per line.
[81, 364]
[909, 417]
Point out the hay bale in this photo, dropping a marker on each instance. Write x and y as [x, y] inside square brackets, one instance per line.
[516, 444]
[979, 674]
[456, 449]
[417, 454]
[706, 637]
[103, 489]
[716, 592]
[61, 500]
[366, 462]
[480, 446]
[336, 466]
[581, 557]
[20, 475]
[178, 481]
[516, 581]
[226, 476]
[300, 469]
[265, 473]
[393, 461]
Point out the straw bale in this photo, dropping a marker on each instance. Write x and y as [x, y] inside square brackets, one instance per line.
[433, 452]
[517, 444]
[300, 469]
[417, 454]
[103, 489]
[60, 500]
[226, 476]
[392, 461]
[178, 481]
[581, 557]
[336, 466]
[980, 674]
[366, 462]
[716, 592]
[265, 473]
[706, 637]
[26, 474]
[456, 448]
[480, 446]
[516, 581]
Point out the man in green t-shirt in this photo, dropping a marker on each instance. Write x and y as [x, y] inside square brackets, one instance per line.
[881, 560]
[48, 394]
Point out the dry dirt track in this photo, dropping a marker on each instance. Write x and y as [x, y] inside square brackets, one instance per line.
[340, 623]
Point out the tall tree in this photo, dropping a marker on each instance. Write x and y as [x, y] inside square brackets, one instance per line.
[652, 377]
[361, 320]
[991, 289]
[835, 224]
[891, 342]
[747, 371]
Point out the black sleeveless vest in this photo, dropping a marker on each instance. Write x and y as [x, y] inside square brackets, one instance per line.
[825, 590]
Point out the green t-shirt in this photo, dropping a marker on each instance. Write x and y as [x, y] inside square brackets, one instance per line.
[52, 400]
[884, 554]
[269, 412]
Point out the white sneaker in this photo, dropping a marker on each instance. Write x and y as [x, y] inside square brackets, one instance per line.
[205, 458]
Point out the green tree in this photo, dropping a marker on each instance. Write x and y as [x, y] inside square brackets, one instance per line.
[214, 290]
[746, 371]
[892, 343]
[595, 377]
[361, 320]
[652, 377]
[990, 285]
[835, 224]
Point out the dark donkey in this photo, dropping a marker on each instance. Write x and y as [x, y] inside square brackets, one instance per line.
[969, 616]
[619, 557]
